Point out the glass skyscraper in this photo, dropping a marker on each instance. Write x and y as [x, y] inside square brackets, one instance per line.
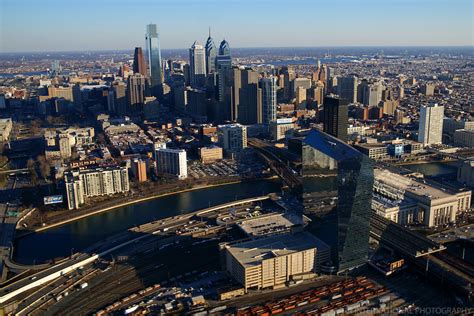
[197, 63]
[269, 99]
[153, 52]
[337, 193]
[211, 53]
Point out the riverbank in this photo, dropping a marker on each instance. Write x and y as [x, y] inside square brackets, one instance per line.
[423, 162]
[97, 209]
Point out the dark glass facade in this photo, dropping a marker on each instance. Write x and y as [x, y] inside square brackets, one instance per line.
[336, 117]
[337, 192]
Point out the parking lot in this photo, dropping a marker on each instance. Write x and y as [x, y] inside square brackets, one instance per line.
[224, 168]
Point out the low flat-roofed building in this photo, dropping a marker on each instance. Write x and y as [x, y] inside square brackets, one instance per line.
[275, 223]
[436, 204]
[374, 151]
[464, 137]
[210, 154]
[272, 261]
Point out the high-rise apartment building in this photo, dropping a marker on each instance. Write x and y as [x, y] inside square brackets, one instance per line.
[153, 52]
[87, 183]
[430, 130]
[335, 120]
[232, 137]
[341, 199]
[171, 161]
[139, 170]
[197, 63]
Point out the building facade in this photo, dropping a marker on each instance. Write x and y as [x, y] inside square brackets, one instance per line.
[430, 131]
[153, 52]
[337, 188]
[82, 184]
[232, 137]
[171, 161]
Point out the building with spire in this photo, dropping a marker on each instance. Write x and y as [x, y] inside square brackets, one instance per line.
[211, 53]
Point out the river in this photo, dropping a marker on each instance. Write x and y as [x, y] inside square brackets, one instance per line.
[62, 240]
[434, 168]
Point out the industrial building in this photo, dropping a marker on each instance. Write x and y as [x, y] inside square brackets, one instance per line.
[272, 261]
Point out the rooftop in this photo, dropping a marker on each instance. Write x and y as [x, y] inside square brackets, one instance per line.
[251, 253]
[264, 225]
[331, 146]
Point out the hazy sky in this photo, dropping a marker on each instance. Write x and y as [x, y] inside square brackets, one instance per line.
[65, 25]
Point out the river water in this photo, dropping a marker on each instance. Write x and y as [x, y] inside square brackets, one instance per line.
[62, 240]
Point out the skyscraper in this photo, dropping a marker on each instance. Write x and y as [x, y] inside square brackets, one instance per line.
[335, 117]
[269, 99]
[223, 64]
[139, 65]
[430, 130]
[250, 97]
[153, 52]
[347, 88]
[224, 82]
[197, 63]
[136, 92]
[211, 53]
[337, 189]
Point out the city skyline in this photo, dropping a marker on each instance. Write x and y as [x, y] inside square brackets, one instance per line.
[424, 23]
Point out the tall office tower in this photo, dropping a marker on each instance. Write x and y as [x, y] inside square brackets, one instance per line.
[136, 92]
[223, 64]
[288, 77]
[336, 117]
[247, 97]
[318, 93]
[300, 98]
[341, 199]
[171, 161]
[77, 98]
[225, 81]
[232, 137]
[269, 99]
[371, 93]
[119, 90]
[211, 53]
[153, 52]
[300, 82]
[139, 65]
[347, 88]
[430, 130]
[197, 63]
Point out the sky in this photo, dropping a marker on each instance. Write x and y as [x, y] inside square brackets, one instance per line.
[72, 25]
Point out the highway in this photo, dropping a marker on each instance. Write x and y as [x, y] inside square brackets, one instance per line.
[267, 152]
[139, 234]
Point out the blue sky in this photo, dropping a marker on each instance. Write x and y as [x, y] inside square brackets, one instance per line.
[64, 25]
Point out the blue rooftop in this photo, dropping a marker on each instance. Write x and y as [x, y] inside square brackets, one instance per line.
[331, 146]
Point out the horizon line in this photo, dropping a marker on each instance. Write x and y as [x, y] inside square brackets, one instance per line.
[246, 47]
